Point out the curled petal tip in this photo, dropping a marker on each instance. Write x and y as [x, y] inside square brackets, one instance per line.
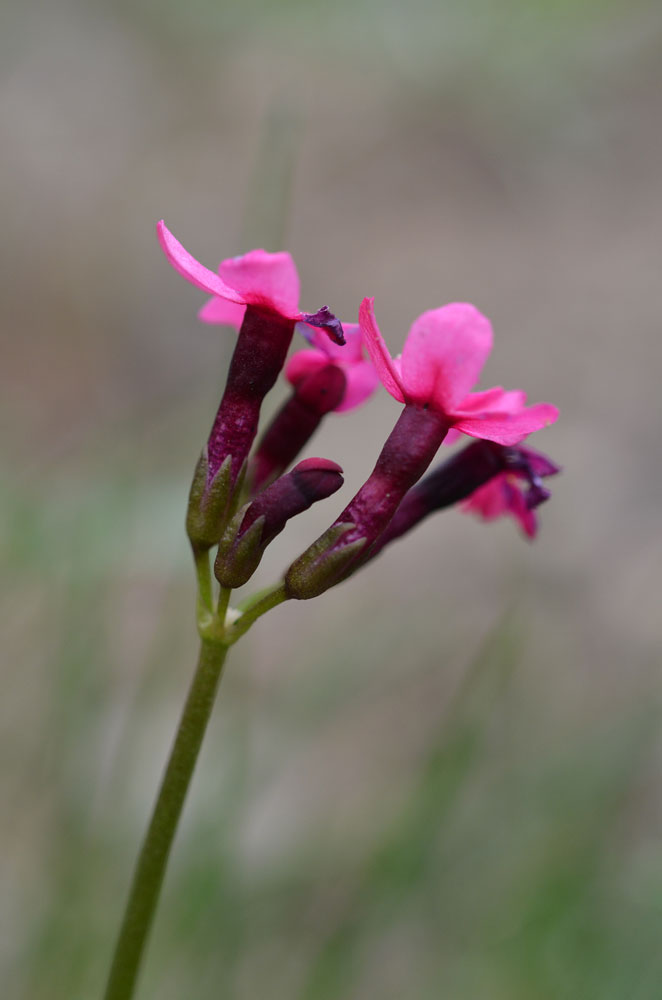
[191, 269]
[387, 369]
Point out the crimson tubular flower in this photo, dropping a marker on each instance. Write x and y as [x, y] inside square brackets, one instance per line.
[325, 378]
[259, 291]
[441, 362]
[360, 375]
[480, 468]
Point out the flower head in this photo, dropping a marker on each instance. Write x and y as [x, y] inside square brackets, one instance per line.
[266, 281]
[516, 491]
[258, 293]
[441, 362]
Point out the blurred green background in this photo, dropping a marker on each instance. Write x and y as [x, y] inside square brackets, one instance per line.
[443, 778]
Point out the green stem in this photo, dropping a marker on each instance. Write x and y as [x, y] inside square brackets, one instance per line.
[203, 574]
[153, 858]
[222, 607]
[254, 608]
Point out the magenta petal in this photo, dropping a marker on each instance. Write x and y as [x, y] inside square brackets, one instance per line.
[378, 351]
[349, 351]
[499, 497]
[452, 436]
[489, 500]
[304, 363]
[523, 514]
[505, 428]
[529, 522]
[217, 310]
[444, 355]
[264, 279]
[353, 343]
[496, 398]
[360, 374]
[191, 269]
[362, 380]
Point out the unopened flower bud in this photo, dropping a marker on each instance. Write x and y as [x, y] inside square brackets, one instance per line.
[208, 504]
[314, 396]
[324, 563]
[258, 523]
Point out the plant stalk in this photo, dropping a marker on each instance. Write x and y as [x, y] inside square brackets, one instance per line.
[153, 857]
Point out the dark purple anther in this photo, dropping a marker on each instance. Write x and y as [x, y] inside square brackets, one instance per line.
[404, 458]
[536, 494]
[295, 423]
[531, 466]
[325, 320]
[257, 524]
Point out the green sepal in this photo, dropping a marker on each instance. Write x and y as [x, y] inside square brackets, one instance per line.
[319, 567]
[237, 499]
[208, 504]
[238, 558]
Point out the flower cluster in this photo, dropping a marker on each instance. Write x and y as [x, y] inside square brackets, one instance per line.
[243, 493]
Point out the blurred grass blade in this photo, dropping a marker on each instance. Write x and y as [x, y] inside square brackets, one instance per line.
[403, 858]
[267, 208]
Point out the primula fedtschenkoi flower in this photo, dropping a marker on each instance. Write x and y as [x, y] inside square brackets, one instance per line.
[441, 362]
[516, 491]
[261, 291]
[257, 524]
[266, 281]
[461, 477]
[325, 378]
[360, 375]
[314, 395]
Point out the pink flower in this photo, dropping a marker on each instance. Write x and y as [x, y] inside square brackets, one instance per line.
[441, 362]
[504, 495]
[314, 395]
[266, 281]
[360, 374]
[258, 292]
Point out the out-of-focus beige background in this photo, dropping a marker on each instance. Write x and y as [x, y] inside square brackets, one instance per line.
[441, 779]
